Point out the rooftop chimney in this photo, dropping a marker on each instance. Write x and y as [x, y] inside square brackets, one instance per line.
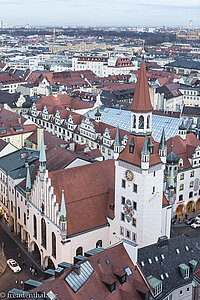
[77, 269]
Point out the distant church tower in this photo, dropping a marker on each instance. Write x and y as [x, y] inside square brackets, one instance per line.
[139, 172]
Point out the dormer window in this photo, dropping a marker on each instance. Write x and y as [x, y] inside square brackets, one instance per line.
[185, 271]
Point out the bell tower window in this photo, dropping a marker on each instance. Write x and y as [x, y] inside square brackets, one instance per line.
[134, 121]
[148, 122]
[141, 122]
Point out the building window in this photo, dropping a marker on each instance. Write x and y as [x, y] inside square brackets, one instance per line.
[181, 187]
[99, 244]
[134, 237]
[11, 206]
[121, 230]
[18, 212]
[135, 188]
[134, 205]
[53, 244]
[34, 227]
[134, 222]
[181, 292]
[123, 183]
[123, 200]
[153, 191]
[192, 174]
[190, 194]
[188, 289]
[103, 149]
[141, 122]
[191, 184]
[109, 152]
[180, 197]
[43, 233]
[24, 218]
[128, 234]
[79, 251]
[122, 216]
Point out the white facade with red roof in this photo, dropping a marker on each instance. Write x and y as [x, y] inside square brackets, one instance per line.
[140, 215]
[103, 66]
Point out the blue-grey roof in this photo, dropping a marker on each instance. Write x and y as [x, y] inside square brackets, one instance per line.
[184, 63]
[14, 163]
[164, 259]
[122, 118]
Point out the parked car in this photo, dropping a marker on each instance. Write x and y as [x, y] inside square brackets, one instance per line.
[195, 225]
[197, 218]
[190, 221]
[13, 265]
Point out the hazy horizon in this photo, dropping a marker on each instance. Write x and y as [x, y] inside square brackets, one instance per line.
[172, 13]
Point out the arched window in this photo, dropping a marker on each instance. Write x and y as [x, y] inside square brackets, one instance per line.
[99, 244]
[43, 233]
[53, 245]
[79, 251]
[180, 197]
[141, 122]
[190, 194]
[181, 187]
[134, 121]
[148, 122]
[34, 227]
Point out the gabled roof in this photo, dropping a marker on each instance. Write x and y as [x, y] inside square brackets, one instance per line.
[103, 268]
[135, 157]
[86, 207]
[141, 101]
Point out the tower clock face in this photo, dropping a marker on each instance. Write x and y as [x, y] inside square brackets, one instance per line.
[128, 210]
[129, 175]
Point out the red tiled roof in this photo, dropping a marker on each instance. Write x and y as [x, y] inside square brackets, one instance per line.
[86, 207]
[141, 101]
[183, 148]
[94, 287]
[9, 120]
[61, 101]
[135, 158]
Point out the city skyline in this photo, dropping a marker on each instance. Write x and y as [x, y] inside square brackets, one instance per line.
[108, 13]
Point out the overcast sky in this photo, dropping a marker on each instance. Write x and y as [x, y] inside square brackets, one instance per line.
[101, 12]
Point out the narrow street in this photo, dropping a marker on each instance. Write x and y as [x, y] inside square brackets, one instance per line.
[9, 278]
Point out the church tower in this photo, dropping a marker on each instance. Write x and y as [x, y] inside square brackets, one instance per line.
[139, 172]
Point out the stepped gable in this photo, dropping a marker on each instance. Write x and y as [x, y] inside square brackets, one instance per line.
[86, 207]
[135, 157]
[141, 101]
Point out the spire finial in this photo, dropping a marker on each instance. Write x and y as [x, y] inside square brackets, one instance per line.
[171, 178]
[28, 179]
[117, 141]
[63, 212]
[42, 158]
[163, 145]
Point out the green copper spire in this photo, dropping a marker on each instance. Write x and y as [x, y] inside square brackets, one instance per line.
[163, 145]
[28, 180]
[171, 179]
[145, 150]
[117, 141]
[42, 158]
[63, 211]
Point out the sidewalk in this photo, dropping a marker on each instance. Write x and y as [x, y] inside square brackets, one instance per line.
[3, 262]
[21, 245]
